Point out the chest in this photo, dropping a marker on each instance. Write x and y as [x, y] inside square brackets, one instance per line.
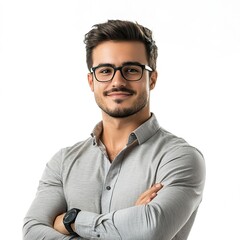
[94, 184]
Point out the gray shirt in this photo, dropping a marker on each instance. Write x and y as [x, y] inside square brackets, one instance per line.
[82, 177]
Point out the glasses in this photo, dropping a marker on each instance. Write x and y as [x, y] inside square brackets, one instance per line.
[130, 72]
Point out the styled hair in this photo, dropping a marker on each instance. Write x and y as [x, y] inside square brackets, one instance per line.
[120, 30]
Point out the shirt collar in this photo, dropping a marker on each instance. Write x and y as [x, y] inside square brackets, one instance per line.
[96, 133]
[142, 133]
[147, 129]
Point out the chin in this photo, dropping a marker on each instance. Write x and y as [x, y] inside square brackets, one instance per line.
[123, 113]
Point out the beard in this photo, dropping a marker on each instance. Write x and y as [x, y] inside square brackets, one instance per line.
[121, 112]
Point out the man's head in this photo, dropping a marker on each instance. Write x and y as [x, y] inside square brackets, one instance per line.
[118, 30]
[121, 57]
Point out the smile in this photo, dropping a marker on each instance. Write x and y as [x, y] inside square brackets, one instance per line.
[119, 92]
[119, 95]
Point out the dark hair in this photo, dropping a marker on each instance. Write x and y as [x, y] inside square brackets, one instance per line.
[121, 31]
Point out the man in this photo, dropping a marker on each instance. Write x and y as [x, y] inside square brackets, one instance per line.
[131, 179]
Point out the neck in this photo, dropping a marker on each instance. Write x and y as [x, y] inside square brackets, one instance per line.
[117, 130]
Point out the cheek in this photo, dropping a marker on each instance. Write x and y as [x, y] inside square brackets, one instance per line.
[148, 86]
[98, 88]
[142, 88]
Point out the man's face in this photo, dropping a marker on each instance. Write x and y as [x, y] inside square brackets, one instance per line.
[121, 98]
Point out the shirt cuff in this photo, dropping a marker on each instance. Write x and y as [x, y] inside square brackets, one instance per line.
[84, 224]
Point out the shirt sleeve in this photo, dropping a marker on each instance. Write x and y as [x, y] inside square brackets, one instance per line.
[182, 173]
[48, 203]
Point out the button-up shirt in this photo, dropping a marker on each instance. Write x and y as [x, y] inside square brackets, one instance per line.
[81, 176]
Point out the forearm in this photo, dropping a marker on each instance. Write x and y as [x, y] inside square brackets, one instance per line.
[143, 199]
[152, 221]
[38, 222]
[33, 230]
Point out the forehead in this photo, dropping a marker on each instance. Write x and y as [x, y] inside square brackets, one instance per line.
[118, 52]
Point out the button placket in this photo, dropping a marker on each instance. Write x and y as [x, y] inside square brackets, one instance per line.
[110, 181]
[108, 190]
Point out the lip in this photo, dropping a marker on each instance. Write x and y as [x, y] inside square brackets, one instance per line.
[119, 94]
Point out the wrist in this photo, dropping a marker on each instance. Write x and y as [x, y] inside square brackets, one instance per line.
[73, 226]
[69, 220]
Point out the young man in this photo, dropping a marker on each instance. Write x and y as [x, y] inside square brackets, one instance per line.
[131, 179]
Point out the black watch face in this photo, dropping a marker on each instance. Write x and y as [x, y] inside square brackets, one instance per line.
[69, 217]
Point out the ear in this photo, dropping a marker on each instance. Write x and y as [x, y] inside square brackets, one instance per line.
[90, 81]
[153, 79]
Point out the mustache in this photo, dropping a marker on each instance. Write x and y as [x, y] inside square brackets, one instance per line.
[119, 89]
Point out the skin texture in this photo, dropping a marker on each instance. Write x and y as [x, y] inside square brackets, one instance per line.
[124, 104]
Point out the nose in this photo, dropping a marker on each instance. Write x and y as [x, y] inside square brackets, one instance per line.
[118, 79]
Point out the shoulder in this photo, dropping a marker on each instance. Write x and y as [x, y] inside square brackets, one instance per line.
[174, 145]
[77, 148]
[66, 155]
[181, 162]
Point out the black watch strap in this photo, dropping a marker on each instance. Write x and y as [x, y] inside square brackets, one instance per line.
[69, 228]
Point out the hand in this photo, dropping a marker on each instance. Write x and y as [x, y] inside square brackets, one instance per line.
[149, 195]
[59, 226]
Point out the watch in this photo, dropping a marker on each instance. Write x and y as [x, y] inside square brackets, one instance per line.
[70, 218]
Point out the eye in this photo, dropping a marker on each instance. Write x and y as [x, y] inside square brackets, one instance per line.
[131, 69]
[104, 70]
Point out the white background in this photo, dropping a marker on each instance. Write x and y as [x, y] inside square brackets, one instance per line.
[46, 104]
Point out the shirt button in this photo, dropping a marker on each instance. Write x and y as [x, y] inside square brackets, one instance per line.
[108, 188]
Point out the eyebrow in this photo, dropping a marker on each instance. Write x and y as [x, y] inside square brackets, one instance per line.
[113, 65]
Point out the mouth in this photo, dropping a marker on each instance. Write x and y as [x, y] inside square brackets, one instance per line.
[119, 93]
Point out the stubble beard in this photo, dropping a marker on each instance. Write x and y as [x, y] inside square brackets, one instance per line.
[119, 112]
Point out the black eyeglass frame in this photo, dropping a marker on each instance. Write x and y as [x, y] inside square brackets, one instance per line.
[143, 66]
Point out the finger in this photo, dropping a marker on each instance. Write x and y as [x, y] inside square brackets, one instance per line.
[148, 195]
[154, 189]
[148, 198]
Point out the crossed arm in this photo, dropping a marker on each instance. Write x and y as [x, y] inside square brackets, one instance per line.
[144, 199]
[154, 216]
